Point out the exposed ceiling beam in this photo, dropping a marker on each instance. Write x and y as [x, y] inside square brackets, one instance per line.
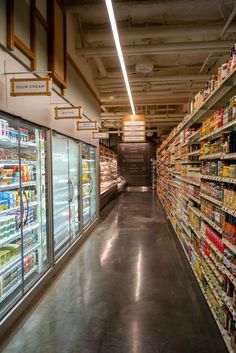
[158, 78]
[124, 104]
[157, 49]
[97, 35]
[177, 116]
[100, 66]
[124, 113]
[144, 94]
[145, 97]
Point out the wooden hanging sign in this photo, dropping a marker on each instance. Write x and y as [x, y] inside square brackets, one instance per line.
[134, 138]
[86, 125]
[68, 113]
[101, 135]
[31, 86]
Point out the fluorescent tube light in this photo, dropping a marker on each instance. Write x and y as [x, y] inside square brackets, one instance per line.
[119, 50]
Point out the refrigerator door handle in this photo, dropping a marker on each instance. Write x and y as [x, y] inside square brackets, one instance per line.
[27, 209]
[71, 190]
[91, 184]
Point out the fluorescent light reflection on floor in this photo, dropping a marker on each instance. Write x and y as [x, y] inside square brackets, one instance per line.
[138, 275]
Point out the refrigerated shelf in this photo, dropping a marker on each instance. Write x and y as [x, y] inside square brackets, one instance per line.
[18, 234]
[17, 259]
[9, 210]
[61, 243]
[17, 185]
[9, 143]
[12, 289]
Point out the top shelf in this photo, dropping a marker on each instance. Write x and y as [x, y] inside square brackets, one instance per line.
[14, 144]
[215, 101]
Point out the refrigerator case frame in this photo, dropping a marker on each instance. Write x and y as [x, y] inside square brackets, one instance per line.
[31, 296]
[96, 184]
[24, 287]
[71, 240]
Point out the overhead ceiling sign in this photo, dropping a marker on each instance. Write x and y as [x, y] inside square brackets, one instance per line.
[134, 128]
[68, 113]
[101, 135]
[86, 125]
[31, 86]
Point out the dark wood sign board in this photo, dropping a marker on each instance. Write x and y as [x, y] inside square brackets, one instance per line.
[133, 163]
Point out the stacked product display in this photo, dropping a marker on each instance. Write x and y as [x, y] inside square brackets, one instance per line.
[197, 188]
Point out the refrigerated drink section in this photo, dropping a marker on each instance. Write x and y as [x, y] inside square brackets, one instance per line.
[23, 211]
[66, 184]
[89, 179]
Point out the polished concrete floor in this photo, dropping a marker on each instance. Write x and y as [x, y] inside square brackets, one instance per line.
[129, 289]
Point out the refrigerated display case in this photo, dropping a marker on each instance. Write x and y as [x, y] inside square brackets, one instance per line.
[66, 191]
[24, 254]
[89, 179]
[108, 170]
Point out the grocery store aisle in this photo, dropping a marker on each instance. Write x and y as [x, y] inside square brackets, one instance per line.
[129, 289]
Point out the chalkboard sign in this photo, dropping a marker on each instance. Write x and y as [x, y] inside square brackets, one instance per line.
[133, 162]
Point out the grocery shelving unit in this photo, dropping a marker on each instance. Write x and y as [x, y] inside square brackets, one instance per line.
[196, 187]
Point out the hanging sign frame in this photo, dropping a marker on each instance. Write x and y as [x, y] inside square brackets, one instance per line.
[101, 135]
[31, 86]
[86, 125]
[62, 113]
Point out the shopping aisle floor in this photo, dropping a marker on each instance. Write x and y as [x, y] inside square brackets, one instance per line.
[129, 289]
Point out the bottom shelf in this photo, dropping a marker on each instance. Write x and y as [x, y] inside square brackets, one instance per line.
[226, 338]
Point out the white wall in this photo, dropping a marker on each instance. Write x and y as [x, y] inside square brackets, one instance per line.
[40, 109]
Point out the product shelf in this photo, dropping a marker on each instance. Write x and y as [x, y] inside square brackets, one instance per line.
[214, 248]
[212, 267]
[213, 135]
[229, 211]
[197, 232]
[189, 181]
[17, 185]
[17, 208]
[211, 156]
[213, 288]
[212, 224]
[228, 274]
[192, 197]
[196, 211]
[211, 199]
[229, 245]
[17, 259]
[190, 162]
[195, 153]
[228, 303]
[221, 94]
[219, 178]
[13, 288]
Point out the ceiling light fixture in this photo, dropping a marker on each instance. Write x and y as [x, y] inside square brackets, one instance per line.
[119, 51]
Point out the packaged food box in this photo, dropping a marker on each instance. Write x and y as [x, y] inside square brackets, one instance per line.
[4, 256]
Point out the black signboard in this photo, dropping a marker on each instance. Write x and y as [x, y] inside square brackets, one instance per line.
[133, 162]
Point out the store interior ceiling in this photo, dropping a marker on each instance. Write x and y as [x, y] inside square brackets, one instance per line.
[171, 48]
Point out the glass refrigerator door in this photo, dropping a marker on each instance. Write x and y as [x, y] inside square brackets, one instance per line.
[33, 186]
[74, 178]
[23, 221]
[11, 277]
[93, 183]
[61, 193]
[86, 178]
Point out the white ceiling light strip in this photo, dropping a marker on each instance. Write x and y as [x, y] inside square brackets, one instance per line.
[119, 50]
